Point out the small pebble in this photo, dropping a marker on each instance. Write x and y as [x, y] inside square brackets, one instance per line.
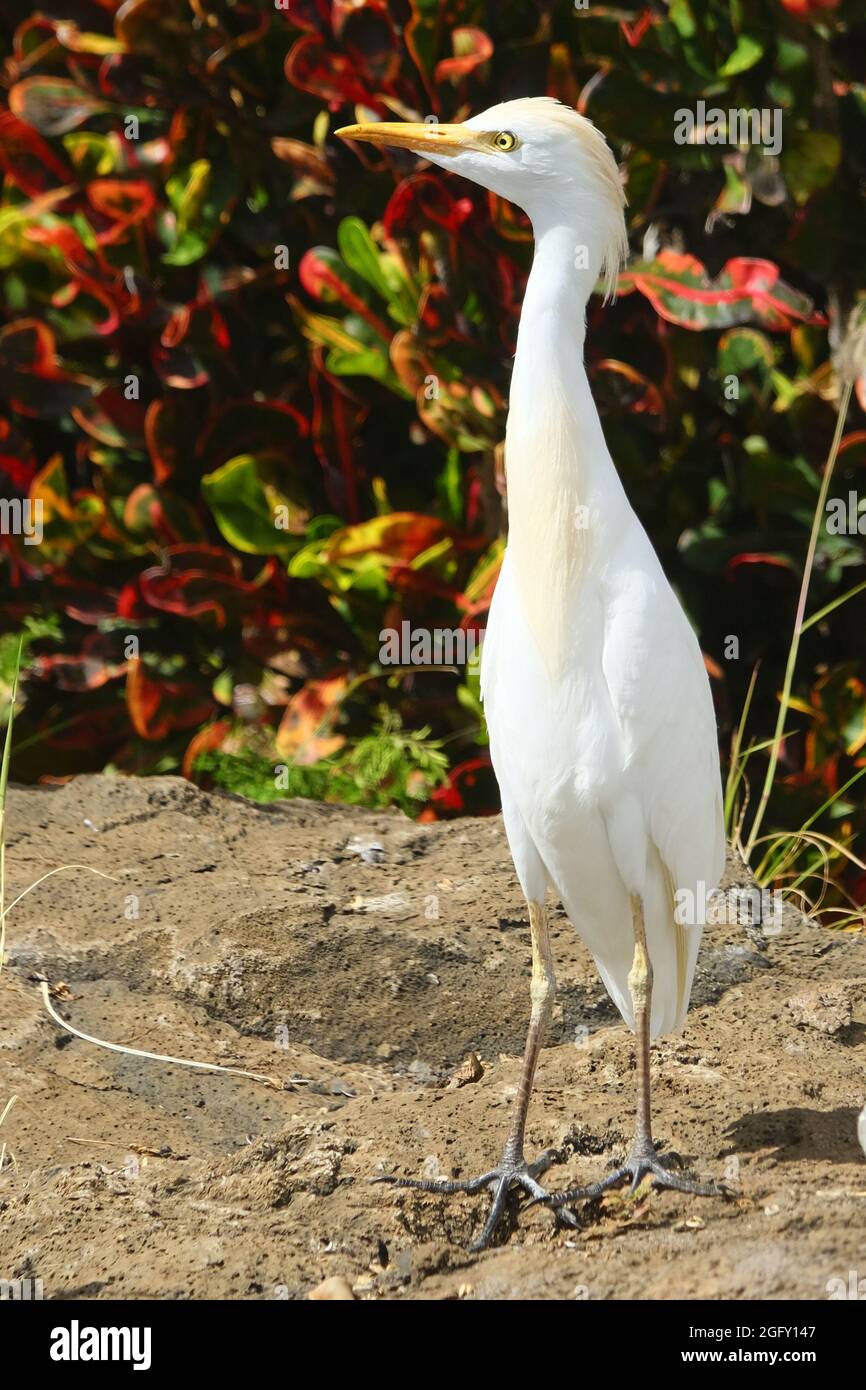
[333, 1290]
[827, 1009]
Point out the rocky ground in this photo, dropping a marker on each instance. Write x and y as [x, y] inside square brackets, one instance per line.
[360, 959]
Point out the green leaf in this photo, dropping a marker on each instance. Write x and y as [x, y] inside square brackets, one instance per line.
[252, 511]
[809, 161]
[449, 486]
[53, 105]
[93, 156]
[366, 361]
[361, 254]
[682, 18]
[742, 349]
[746, 54]
[201, 195]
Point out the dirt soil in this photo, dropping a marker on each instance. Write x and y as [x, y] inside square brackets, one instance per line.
[360, 958]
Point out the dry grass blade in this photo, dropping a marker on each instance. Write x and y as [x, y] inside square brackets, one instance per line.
[153, 1056]
[6, 1108]
[4, 783]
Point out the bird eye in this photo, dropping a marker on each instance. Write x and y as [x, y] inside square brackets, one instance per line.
[504, 140]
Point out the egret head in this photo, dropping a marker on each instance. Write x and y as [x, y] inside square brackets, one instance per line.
[537, 153]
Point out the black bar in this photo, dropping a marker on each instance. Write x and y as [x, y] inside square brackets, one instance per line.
[596, 1338]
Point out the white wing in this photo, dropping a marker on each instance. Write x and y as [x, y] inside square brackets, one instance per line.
[661, 697]
[663, 706]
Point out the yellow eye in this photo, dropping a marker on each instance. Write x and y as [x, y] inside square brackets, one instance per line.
[504, 140]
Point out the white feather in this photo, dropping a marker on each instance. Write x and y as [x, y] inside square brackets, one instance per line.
[601, 721]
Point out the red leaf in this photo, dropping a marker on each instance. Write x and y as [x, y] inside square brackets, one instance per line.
[853, 440]
[472, 47]
[681, 291]
[85, 284]
[306, 729]
[336, 417]
[17, 461]
[313, 66]
[405, 580]
[193, 334]
[157, 707]
[312, 15]
[87, 670]
[365, 29]
[211, 736]
[758, 557]
[809, 9]
[633, 33]
[125, 202]
[30, 344]
[318, 272]
[250, 426]
[450, 800]
[28, 159]
[421, 199]
[197, 581]
[169, 432]
[84, 601]
[54, 105]
[28, 358]
[112, 419]
[643, 397]
[67, 241]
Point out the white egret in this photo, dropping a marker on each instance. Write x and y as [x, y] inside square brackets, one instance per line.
[602, 730]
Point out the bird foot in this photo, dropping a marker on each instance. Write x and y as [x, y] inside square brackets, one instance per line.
[642, 1162]
[511, 1173]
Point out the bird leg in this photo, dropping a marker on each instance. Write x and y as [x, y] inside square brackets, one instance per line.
[643, 1160]
[513, 1170]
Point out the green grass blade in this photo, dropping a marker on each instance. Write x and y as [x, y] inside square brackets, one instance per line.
[835, 603]
[736, 766]
[793, 650]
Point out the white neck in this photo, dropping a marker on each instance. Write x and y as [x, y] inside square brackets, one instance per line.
[564, 272]
[563, 489]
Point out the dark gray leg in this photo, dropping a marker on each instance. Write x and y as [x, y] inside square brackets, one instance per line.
[642, 1159]
[513, 1170]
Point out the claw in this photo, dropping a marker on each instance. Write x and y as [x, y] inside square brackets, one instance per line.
[637, 1167]
[442, 1184]
[501, 1180]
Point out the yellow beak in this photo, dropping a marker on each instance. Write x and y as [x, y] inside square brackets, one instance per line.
[422, 136]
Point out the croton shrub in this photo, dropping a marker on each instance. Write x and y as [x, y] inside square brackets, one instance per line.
[257, 378]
